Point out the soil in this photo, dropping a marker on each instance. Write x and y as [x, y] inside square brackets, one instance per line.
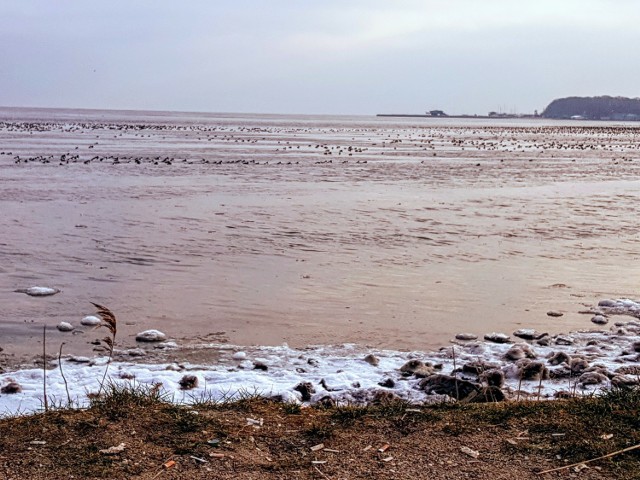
[258, 439]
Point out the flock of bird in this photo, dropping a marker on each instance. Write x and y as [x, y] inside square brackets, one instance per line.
[273, 145]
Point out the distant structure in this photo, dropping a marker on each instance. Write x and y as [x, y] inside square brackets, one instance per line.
[594, 108]
[437, 113]
[500, 115]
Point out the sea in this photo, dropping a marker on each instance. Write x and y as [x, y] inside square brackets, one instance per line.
[299, 230]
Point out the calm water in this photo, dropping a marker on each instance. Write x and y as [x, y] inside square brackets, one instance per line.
[271, 229]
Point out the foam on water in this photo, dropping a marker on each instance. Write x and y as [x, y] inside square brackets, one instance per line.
[340, 372]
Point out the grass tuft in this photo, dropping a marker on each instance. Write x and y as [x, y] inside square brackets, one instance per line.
[119, 400]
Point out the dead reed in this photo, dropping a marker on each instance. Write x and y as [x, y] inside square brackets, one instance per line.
[110, 323]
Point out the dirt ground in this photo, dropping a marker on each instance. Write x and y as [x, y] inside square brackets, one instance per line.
[257, 439]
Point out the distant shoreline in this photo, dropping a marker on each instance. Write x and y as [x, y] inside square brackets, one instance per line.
[481, 117]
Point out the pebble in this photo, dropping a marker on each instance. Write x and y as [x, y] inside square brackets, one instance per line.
[136, 352]
[599, 319]
[497, 337]
[260, 366]
[532, 370]
[450, 386]
[151, 336]
[564, 340]
[529, 334]
[592, 378]
[493, 378]
[188, 382]
[64, 327]
[554, 313]
[387, 383]
[79, 359]
[578, 365]
[466, 336]
[372, 360]
[559, 357]
[10, 388]
[91, 321]
[414, 367]
[607, 303]
[239, 356]
[515, 353]
[306, 389]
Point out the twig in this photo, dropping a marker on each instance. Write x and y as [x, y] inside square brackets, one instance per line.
[617, 452]
[66, 385]
[320, 472]
[44, 367]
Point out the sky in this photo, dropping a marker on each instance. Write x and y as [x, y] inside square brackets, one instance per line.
[316, 56]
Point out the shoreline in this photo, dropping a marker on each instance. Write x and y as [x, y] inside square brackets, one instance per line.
[529, 365]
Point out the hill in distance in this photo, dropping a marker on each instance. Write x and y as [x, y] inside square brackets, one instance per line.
[594, 108]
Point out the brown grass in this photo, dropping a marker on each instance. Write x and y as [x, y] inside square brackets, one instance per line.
[514, 439]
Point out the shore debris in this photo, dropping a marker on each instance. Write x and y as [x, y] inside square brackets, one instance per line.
[114, 450]
[257, 423]
[609, 455]
[470, 452]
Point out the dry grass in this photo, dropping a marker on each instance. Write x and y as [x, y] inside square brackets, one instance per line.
[109, 322]
[514, 440]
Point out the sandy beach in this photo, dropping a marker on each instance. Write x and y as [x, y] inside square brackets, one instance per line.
[264, 230]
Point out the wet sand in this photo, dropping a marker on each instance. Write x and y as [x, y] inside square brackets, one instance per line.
[259, 230]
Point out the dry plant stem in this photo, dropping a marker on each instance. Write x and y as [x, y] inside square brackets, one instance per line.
[612, 454]
[44, 367]
[320, 472]
[455, 372]
[66, 385]
[540, 386]
[110, 323]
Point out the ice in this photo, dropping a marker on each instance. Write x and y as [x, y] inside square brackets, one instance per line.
[336, 371]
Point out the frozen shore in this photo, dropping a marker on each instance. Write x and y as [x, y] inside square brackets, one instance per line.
[527, 364]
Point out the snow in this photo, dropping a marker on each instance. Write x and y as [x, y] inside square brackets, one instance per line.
[342, 370]
[91, 321]
[151, 336]
[39, 291]
[345, 372]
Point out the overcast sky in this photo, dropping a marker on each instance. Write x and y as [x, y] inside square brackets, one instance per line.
[312, 56]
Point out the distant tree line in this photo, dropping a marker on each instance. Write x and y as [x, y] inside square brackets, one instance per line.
[594, 108]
